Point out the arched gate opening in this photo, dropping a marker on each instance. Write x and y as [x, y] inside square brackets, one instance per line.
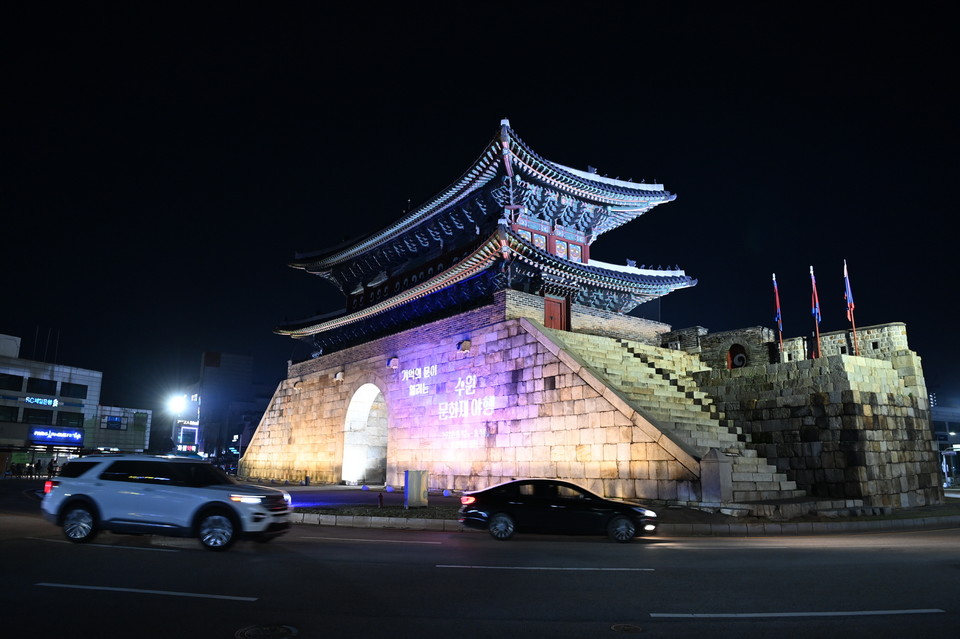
[365, 438]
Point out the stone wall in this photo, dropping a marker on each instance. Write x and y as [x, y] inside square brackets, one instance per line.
[584, 319]
[489, 395]
[840, 426]
[513, 405]
[721, 350]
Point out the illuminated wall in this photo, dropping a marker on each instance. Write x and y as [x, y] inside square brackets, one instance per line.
[491, 395]
[512, 404]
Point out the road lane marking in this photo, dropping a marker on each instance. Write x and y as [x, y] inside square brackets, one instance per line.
[756, 615]
[375, 541]
[63, 541]
[170, 593]
[682, 546]
[544, 568]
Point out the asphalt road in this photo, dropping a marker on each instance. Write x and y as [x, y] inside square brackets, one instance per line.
[344, 582]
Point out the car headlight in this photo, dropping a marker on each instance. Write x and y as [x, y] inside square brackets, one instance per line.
[646, 512]
[246, 499]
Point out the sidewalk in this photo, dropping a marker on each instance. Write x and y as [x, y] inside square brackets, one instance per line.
[674, 522]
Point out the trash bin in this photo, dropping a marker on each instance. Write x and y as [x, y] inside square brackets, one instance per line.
[414, 488]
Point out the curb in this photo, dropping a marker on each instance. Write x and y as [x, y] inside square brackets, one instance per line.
[765, 529]
[358, 521]
[804, 528]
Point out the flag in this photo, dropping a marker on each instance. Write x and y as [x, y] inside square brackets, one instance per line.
[776, 295]
[815, 300]
[848, 294]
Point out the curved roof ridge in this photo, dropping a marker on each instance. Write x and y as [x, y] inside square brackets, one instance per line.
[473, 178]
[663, 282]
[478, 261]
[624, 200]
[642, 186]
[633, 269]
[588, 184]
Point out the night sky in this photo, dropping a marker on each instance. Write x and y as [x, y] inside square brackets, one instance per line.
[163, 165]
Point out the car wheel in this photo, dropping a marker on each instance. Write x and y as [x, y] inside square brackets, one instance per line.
[501, 526]
[621, 529]
[217, 529]
[79, 523]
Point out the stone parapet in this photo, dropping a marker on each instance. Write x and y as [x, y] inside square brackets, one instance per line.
[840, 426]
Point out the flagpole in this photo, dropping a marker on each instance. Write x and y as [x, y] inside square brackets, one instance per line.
[779, 317]
[815, 302]
[848, 294]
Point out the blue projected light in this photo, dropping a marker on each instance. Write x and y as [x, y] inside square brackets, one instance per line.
[71, 436]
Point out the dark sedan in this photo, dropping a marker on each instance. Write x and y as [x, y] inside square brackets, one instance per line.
[552, 506]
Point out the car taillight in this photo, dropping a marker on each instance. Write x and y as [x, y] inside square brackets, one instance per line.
[49, 485]
[466, 500]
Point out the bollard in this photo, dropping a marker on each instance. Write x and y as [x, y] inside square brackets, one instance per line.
[379, 500]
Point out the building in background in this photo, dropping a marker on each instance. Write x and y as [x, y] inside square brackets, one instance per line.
[53, 411]
[945, 422]
[218, 413]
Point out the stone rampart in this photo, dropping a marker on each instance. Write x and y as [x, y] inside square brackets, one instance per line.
[840, 426]
[490, 395]
[509, 404]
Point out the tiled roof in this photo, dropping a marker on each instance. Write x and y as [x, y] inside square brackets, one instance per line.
[475, 263]
[505, 154]
[644, 284]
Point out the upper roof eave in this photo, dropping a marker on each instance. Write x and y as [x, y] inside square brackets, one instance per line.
[480, 173]
[613, 192]
[624, 199]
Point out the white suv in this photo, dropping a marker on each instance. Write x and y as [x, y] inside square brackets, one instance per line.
[161, 495]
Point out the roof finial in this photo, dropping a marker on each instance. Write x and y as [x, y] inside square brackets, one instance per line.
[505, 122]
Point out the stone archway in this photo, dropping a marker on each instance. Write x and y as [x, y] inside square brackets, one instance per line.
[365, 438]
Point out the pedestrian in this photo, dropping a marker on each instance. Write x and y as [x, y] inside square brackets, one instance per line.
[51, 468]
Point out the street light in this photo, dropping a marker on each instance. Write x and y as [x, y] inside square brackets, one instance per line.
[176, 405]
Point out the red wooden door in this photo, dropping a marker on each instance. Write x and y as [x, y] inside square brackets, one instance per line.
[556, 313]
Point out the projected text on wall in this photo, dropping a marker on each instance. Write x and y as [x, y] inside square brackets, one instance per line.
[468, 403]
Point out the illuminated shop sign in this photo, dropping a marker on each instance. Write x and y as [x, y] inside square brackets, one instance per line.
[40, 401]
[71, 436]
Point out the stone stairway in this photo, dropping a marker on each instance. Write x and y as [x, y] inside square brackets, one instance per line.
[658, 383]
